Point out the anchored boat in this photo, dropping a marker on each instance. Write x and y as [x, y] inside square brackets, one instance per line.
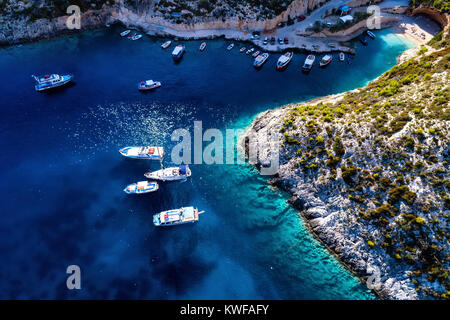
[176, 216]
[170, 174]
[230, 46]
[309, 61]
[149, 153]
[178, 52]
[250, 50]
[259, 60]
[284, 60]
[135, 37]
[166, 44]
[242, 49]
[125, 33]
[202, 46]
[51, 81]
[325, 60]
[341, 56]
[141, 187]
[148, 85]
[256, 54]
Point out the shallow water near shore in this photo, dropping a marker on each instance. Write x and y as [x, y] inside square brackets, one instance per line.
[62, 198]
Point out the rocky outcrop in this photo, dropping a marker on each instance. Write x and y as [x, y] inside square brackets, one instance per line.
[437, 16]
[363, 168]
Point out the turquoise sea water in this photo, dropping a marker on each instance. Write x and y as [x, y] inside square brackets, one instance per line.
[62, 178]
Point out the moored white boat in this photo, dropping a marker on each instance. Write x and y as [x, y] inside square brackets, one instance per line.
[148, 85]
[230, 46]
[260, 60]
[178, 52]
[325, 60]
[250, 50]
[170, 174]
[242, 49]
[342, 56]
[166, 44]
[202, 46]
[125, 33]
[284, 60]
[51, 81]
[176, 217]
[135, 37]
[142, 187]
[256, 54]
[144, 152]
[309, 61]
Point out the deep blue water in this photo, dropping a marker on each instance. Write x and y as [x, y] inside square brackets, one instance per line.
[62, 178]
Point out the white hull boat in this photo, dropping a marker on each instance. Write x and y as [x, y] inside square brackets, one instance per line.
[309, 61]
[142, 187]
[51, 81]
[230, 47]
[170, 174]
[342, 56]
[125, 33]
[260, 60]
[284, 60]
[145, 152]
[325, 60]
[176, 217]
[148, 85]
[166, 44]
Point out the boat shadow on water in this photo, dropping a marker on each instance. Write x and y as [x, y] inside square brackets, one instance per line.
[59, 89]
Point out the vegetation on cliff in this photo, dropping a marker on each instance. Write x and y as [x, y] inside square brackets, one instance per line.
[386, 148]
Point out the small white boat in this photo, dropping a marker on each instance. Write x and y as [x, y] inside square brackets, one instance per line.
[284, 60]
[170, 174]
[242, 49]
[145, 152]
[141, 187]
[256, 54]
[135, 37]
[202, 46]
[148, 85]
[250, 50]
[309, 61]
[176, 216]
[342, 56]
[230, 46]
[260, 60]
[325, 60]
[178, 52]
[51, 81]
[125, 33]
[370, 34]
[166, 44]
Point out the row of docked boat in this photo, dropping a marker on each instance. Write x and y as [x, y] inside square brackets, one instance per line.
[181, 173]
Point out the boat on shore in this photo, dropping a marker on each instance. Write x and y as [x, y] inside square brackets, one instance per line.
[256, 54]
[309, 61]
[370, 34]
[178, 52]
[231, 46]
[284, 60]
[51, 81]
[260, 60]
[170, 174]
[143, 152]
[142, 187]
[242, 49]
[166, 44]
[325, 60]
[342, 56]
[125, 33]
[250, 50]
[148, 85]
[176, 217]
[202, 46]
